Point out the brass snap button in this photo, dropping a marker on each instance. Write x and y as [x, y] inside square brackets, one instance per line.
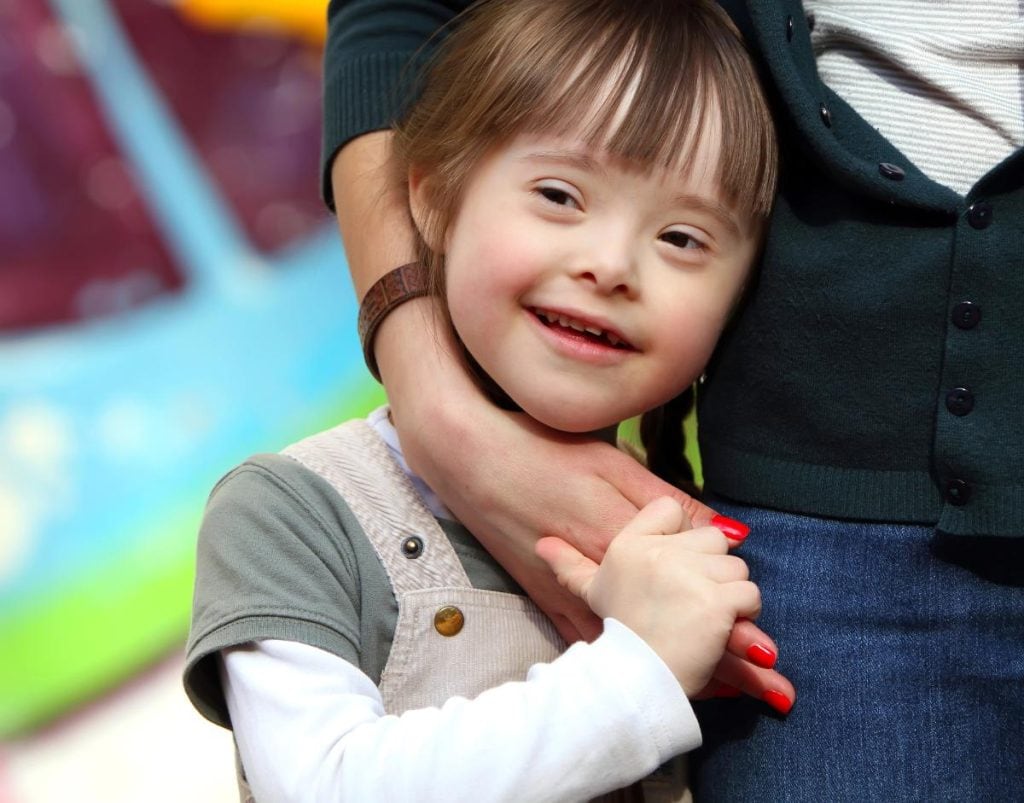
[448, 621]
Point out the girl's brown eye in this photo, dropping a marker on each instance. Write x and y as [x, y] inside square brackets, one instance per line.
[557, 196]
[680, 239]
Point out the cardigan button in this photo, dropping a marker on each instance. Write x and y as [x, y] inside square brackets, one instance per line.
[966, 315]
[789, 29]
[979, 215]
[891, 171]
[957, 492]
[448, 621]
[826, 115]
[959, 401]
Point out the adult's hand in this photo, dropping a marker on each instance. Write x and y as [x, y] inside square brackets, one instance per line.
[679, 591]
[661, 581]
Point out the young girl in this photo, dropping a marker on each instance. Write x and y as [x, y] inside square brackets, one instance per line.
[590, 179]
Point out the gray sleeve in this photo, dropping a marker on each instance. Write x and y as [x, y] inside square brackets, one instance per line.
[274, 561]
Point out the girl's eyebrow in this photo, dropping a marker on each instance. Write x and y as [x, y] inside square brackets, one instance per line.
[575, 158]
[713, 207]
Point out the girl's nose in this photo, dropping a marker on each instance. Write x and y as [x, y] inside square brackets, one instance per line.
[611, 269]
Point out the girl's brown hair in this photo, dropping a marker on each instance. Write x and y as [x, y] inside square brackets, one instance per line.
[544, 66]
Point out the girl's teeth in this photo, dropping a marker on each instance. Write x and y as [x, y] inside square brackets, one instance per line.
[569, 323]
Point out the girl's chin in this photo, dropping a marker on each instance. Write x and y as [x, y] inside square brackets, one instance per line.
[572, 419]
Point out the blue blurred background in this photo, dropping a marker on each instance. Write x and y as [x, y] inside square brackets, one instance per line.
[173, 298]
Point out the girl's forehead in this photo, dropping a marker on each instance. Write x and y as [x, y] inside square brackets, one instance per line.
[606, 119]
[695, 161]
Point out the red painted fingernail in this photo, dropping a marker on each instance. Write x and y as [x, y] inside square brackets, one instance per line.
[736, 530]
[760, 655]
[725, 690]
[777, 700]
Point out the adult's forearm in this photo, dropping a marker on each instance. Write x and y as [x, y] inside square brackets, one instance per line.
[372, 210]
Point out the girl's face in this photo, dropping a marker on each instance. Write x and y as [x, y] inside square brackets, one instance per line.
[588, 289]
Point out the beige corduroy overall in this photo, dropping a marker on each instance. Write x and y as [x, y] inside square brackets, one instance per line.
[450, 639]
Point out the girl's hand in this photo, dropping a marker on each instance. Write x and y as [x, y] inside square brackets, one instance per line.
[681, 592]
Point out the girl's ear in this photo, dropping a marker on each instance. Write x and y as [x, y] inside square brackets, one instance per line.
[424, 210]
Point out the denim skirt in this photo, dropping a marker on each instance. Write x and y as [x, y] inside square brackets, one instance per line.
[906, 647]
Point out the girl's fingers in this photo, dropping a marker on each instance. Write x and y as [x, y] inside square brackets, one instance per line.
[726, 569]
[574, 570]
[662, 516]
[744, 597]
[706, 539]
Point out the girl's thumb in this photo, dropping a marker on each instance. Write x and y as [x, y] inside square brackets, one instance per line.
[574, 571]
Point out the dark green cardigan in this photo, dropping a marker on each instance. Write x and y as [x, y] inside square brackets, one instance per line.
[874, 371]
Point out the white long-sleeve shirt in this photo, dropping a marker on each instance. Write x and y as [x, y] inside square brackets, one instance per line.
[311, 727]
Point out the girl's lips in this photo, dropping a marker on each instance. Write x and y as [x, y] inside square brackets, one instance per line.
[579, 345]
[591, 330]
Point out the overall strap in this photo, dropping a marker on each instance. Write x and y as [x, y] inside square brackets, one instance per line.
[411, 545]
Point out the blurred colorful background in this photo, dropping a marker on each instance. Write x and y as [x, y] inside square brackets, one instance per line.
[173, 298]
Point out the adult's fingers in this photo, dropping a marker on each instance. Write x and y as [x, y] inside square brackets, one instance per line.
[749, 641]
[639, 486]
[767, 685]
[574, 621]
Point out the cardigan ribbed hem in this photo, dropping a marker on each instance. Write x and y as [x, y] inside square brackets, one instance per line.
[364, 94]
[859, 494]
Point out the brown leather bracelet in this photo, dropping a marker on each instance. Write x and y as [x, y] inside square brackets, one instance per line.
[393, 288]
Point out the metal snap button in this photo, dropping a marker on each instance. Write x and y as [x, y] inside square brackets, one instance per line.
[412, 547]
[448, 621]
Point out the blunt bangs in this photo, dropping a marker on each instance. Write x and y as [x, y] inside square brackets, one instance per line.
[644, 81]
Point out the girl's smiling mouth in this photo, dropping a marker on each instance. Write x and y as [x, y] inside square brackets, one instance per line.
[575, 327]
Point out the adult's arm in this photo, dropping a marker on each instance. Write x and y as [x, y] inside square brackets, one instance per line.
[508, 479]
